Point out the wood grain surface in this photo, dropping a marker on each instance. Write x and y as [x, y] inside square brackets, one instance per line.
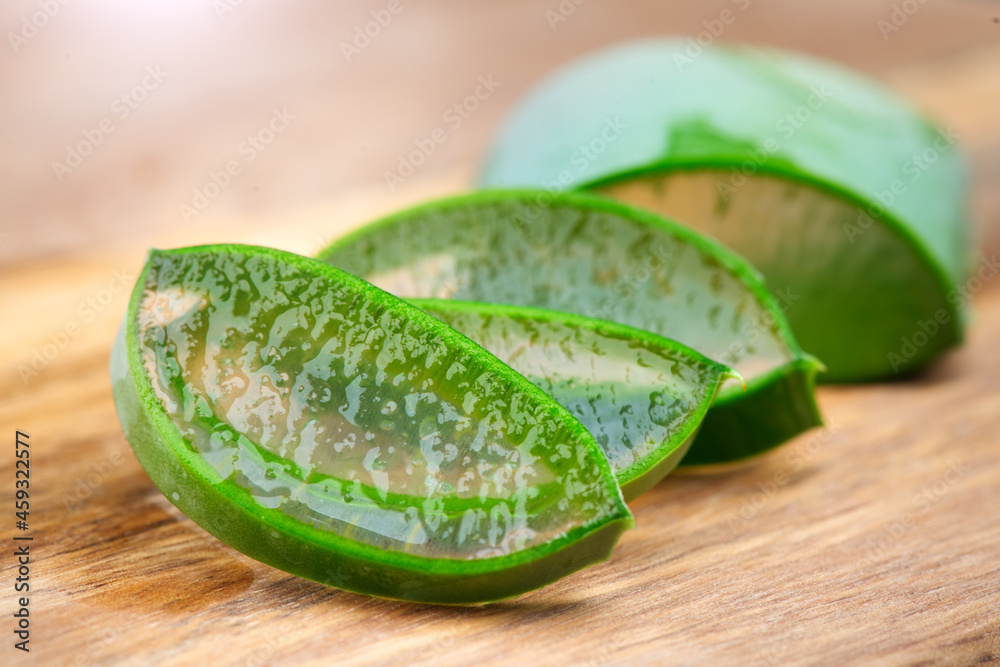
[873, 541]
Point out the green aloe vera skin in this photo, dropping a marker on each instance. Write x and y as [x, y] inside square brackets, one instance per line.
[594, 257]
[333, 431]
[850, 202]
[643, 397]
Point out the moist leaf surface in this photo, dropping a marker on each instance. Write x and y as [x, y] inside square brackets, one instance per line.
[590, 256]
[643, 397]
[346, 420]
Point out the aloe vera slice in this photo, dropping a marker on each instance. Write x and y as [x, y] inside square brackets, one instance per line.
[595, 257]
[642, 396]
[845, 198]
[333, 431]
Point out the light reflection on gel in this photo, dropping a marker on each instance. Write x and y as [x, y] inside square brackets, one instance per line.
[594, 263]
[347, 416]
[632, 397]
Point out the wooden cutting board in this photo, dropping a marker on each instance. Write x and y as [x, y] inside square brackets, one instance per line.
[876, 539]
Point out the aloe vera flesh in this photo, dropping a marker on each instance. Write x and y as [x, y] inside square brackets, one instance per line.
[643, 397]
[854, 302]
[587, 255]
[333, 431]
[835, 189]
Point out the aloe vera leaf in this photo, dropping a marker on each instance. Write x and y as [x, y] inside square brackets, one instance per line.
[848, 200]
[331, 430]
[591, 256]
[641, 395]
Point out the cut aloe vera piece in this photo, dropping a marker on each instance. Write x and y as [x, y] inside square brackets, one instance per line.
[595, 257]
[333, 431]
[847, 200]
[641, 395]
